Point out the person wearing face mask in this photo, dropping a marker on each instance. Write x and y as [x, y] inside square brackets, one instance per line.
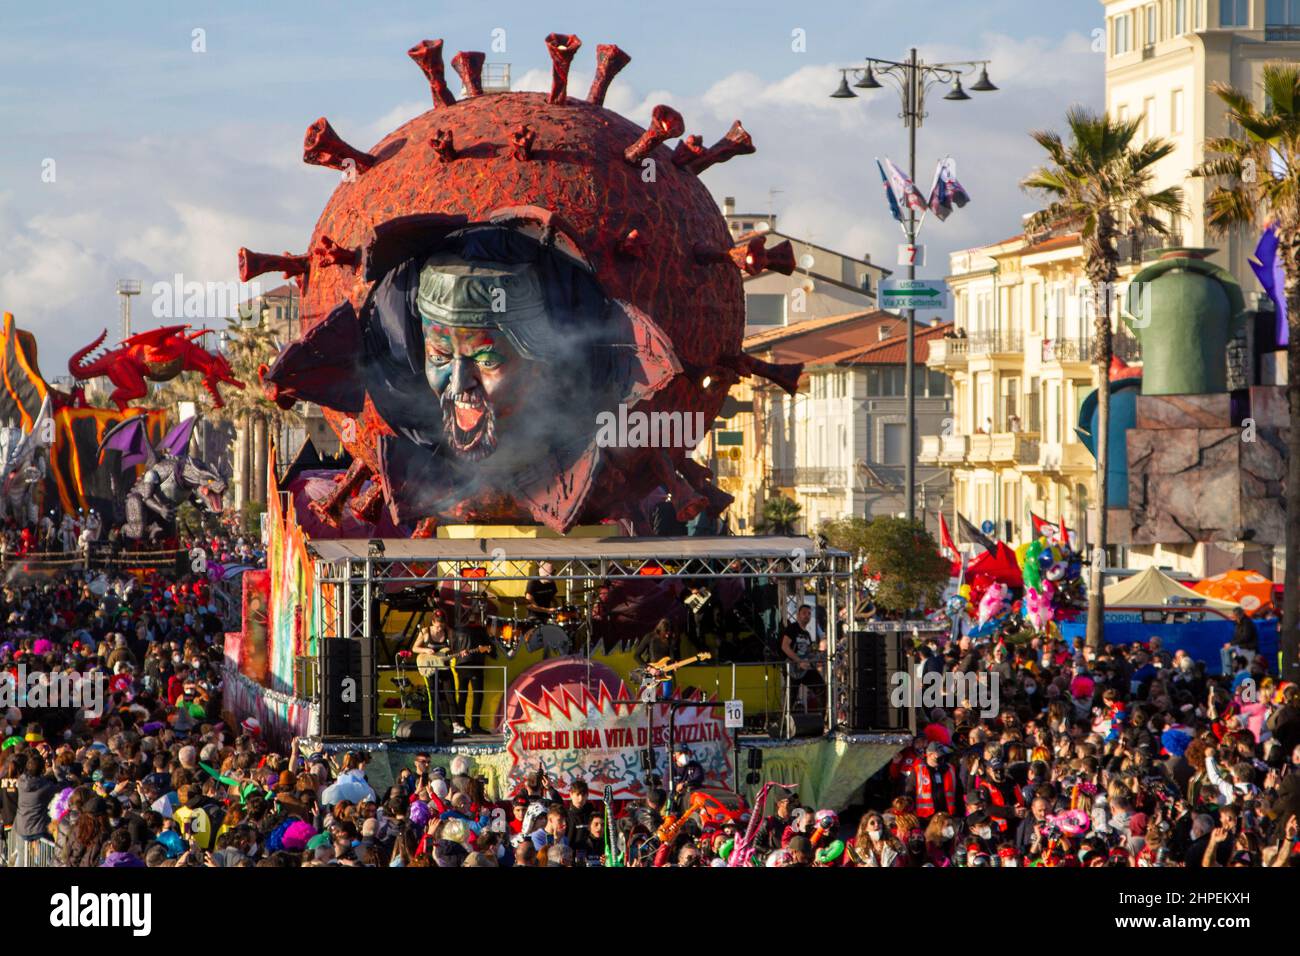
[688, 775]
[940, 837]
[1003, 798]
[933, 784]
[873, 845]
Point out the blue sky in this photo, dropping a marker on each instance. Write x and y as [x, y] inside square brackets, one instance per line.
[167, 160]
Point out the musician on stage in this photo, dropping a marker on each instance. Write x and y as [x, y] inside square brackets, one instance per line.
[541, 593]
[662, 642]
[432, 650]
[802, 650]
[468, 644]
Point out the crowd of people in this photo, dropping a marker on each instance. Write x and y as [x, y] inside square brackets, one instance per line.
[1120, 756]
[1123, 756]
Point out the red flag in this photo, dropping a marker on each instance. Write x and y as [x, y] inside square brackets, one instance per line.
[1039, 525]
[945, 539]
[1064, 539]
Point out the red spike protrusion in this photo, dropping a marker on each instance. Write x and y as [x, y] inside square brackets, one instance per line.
[469, 64]
[689, 149]
[330, 253]
[324, 147]
[562, 47]
[707, 255]
[754, 257]
[665, 123]
[427, 55]
[633, 245]
[443, 142]
[253, 264]
[521, 142]
[609, 61]
[786, 374]
[737, 142]
[686, 499]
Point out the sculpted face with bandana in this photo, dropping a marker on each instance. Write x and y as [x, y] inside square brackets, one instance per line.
[486, 334]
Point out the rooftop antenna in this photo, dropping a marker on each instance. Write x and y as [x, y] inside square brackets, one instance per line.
[125, 289]
[772, 193]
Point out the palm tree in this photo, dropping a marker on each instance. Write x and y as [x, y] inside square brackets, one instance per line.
[1093, 184]
[780, 515]
[1258, 178]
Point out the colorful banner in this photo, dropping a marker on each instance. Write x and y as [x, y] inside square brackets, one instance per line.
[282, 716]
[590, 728]
[292, 630]
[254, 660]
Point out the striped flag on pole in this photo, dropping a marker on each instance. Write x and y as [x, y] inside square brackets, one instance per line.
[889, 194]
[903, 189]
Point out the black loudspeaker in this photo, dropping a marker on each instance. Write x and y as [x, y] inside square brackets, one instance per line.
[437, 732]
[348, 703]
[798, 725]
[873, 658]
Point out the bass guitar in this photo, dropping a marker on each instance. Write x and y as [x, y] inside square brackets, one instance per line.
[658, 672]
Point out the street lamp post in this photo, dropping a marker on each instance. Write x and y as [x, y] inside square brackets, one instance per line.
[913, 80]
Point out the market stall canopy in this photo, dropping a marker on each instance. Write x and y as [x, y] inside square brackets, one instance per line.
[1153, 588]
[1250, 589]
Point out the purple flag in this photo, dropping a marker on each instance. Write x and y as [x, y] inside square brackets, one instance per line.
[1267, 266]
[946, 191]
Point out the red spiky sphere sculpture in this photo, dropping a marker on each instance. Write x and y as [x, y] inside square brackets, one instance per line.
[634, 207]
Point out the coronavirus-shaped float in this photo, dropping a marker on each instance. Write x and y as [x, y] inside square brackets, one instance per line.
[496, 275]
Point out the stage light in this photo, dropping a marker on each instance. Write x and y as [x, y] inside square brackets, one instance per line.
[375, 547]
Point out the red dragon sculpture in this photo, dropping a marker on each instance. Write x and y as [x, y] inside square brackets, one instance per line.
[158, 355]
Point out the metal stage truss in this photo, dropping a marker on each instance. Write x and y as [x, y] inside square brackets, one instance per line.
[352, 576]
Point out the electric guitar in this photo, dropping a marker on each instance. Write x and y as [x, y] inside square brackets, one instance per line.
[672, 826]
[442, 658]
[656, 672]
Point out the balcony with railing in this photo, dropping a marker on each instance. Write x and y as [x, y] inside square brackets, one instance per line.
[931, 447]
[980, 448]
[1079, 350]
[947, 352]
[1014, 447]
[952, 448]
[819, 478]
[1286, 32]
[1060, 351]
[1006, 342]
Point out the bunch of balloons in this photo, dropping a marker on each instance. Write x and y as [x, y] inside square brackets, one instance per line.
[1052, 573]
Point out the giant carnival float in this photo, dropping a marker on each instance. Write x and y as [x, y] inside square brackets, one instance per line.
[488, 288]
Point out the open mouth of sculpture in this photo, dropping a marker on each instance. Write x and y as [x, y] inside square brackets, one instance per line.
[212, 499]
[469, 424]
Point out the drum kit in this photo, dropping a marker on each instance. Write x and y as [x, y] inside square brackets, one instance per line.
[556, 633]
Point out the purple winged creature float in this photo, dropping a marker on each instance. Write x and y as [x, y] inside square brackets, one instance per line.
[171, 477]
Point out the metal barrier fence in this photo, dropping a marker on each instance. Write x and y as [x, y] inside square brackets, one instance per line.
[99, 557]
[426, 692]
[19, 852]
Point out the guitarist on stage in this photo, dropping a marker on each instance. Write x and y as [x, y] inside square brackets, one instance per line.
[662, 642]
[432, 648]
[472, 646]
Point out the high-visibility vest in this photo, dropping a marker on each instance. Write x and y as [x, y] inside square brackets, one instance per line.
[998, 799]
[925, 799]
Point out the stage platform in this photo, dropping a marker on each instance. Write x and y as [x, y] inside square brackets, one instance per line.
[829, 771]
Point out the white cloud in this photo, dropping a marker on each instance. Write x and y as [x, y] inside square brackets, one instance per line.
[151, 207]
